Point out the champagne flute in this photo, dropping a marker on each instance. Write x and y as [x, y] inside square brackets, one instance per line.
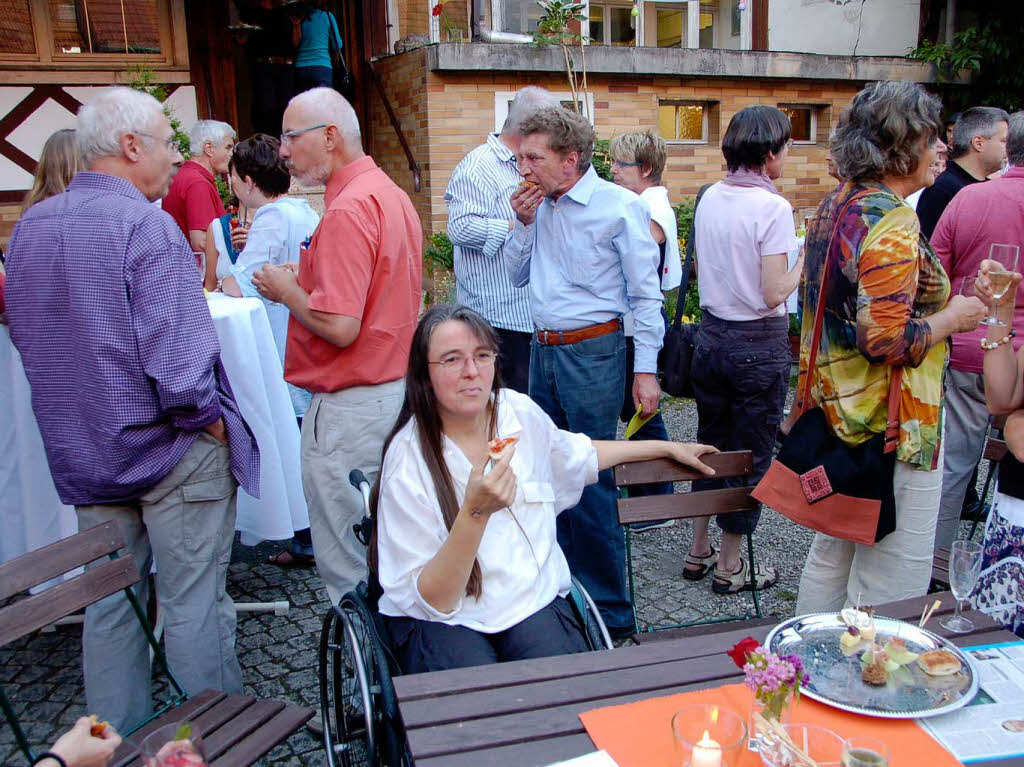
[964, 569]
[865, 752]
[1005, 258]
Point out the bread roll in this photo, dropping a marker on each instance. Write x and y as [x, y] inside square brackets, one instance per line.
[939, 663]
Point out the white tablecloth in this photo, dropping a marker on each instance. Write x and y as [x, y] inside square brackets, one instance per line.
[31, 514]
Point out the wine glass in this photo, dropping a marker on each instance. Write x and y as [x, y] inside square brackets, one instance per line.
[865, 752]
[1005, 258]
[964, 569]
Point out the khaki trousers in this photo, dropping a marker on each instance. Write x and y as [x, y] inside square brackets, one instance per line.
[187, 524]
[342, 431]
[839, 573]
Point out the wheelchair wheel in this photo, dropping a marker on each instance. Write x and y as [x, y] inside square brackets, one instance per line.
[347, 681]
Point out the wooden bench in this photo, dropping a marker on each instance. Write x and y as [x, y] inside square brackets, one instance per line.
[237, 729]
[704, 503]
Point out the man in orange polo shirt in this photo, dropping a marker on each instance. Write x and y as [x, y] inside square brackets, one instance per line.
[354, 300]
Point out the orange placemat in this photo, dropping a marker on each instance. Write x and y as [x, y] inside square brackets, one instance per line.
[640, 734]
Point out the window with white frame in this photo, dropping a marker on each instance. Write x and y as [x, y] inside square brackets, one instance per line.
[665, 25]
[503, 100]
[803, 120]
[612, 23]
[684, 121]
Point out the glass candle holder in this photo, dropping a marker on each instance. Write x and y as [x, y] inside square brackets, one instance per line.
[708, 735]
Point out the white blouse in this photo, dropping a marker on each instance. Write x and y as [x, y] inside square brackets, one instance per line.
[522, 565]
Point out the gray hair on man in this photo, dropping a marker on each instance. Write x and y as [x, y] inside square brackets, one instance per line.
[213, 131]
[527, 102]
[566, 131]
[110, 115]
[976, 121]
[330, 107]
[1015, 141]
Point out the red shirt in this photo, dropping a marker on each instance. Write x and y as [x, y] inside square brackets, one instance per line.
[364, 261]
[193, 200]
[978, 216]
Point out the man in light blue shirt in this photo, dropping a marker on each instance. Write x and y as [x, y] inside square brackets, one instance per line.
[584, 247]
[480, 220]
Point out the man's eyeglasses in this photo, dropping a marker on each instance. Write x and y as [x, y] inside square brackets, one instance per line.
[289, 136]
[170, 143]
[456, 362]
[623, 164]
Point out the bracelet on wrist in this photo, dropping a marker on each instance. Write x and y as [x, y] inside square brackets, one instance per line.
[988, 346]
[50, 755]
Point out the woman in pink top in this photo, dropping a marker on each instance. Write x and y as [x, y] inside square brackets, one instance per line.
[743, 233]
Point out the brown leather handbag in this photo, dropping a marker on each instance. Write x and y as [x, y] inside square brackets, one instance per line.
[819, 481]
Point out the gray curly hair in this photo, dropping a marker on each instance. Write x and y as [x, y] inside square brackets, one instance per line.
[567, 131]
[881, 132]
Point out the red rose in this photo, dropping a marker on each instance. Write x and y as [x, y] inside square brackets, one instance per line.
[742, 649]
[438, 9]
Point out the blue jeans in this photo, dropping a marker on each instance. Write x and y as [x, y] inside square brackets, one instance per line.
[580, 387]
[313, 77]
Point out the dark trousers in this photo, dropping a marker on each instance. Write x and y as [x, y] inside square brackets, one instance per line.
[579, 386]
[431, 646]
[740, 374]
[653, 429]
[272, 86]
[515, 359]
[313, 77]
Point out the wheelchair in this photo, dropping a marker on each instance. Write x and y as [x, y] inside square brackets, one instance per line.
[361, 721]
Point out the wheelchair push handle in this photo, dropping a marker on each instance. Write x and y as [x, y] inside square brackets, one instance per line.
[357, 478]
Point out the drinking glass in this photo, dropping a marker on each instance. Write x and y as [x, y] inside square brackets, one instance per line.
[865, 752]
[1005, 256]
[964, 569]
[174, 745]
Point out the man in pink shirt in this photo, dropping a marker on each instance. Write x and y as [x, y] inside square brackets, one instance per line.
[978, 216]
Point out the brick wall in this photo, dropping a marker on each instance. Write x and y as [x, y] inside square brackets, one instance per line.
[413, 17]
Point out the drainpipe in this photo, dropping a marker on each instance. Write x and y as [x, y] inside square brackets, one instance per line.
[950, 21]
[487, 35]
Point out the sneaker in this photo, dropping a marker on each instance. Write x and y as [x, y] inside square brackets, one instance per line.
[643, 527]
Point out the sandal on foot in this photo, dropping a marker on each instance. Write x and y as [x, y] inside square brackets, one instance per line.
[732, 583]
[288, 558]
[704, 564]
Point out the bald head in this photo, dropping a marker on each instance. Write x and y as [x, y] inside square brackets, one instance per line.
[327, 106]
[320, 135]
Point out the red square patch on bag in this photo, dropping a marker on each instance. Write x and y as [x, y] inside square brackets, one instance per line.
[815, 484]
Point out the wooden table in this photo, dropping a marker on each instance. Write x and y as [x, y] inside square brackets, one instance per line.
[526, 712]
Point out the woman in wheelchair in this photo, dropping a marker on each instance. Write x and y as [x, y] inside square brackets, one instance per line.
[465, 549]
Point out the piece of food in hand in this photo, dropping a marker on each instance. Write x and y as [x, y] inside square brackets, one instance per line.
[97, 728]
[497, 446]
[874, 674]
[527, 184]
[939, 663]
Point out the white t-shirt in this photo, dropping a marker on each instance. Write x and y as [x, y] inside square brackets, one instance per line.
[522, 565]
[662, 214]
[735, 227]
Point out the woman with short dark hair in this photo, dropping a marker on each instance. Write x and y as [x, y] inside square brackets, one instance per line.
[744, 233]
[464, 545]
[888, 306]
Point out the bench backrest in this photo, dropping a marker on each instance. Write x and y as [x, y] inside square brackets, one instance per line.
[32, 613]
[703, 503]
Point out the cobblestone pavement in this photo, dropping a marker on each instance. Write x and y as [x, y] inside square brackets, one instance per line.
[43, 675]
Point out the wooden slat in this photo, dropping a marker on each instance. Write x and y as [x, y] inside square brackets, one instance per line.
[737, 463]
[258, 743]
[222, 712]
[35, 612]
[127, 754]
[650, 508]
[646, 637]
[39, 566]
[537, 752]
[995, 449]
[454, 681]
[239, 727]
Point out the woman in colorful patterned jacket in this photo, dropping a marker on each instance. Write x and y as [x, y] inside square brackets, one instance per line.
[888, 305]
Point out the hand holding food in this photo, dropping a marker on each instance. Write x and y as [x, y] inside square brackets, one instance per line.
[525, 201]
[90, 743]
[488, 493]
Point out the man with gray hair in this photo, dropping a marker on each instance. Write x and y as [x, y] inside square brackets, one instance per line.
[584, 247]
[978, 151]
[979, 215]
[193, 200]
[354, 300]
[480, 221]
[136, 414]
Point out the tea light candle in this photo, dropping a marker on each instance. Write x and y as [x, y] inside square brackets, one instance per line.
[706, 752]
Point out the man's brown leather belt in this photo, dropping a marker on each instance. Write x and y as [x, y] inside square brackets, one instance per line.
[559, 337]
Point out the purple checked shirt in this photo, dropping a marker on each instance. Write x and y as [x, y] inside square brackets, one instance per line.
[107, 310]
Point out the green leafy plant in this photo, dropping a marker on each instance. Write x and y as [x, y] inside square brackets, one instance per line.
[227, 197]
[602, 160]
[142, 78]
[439, 253]
[555, 28]
[951, 60]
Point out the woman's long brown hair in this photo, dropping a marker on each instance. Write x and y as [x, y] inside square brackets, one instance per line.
[421, 403]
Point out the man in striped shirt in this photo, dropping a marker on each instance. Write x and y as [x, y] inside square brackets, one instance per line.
[480, 221]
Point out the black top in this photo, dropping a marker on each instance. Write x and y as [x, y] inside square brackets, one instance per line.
[275, 37]
[1011, 476]
[935, 198]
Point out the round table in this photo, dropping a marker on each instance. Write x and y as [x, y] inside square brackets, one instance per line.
[31, 514]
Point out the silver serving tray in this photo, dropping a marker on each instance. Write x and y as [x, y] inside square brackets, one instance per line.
[835, 677]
